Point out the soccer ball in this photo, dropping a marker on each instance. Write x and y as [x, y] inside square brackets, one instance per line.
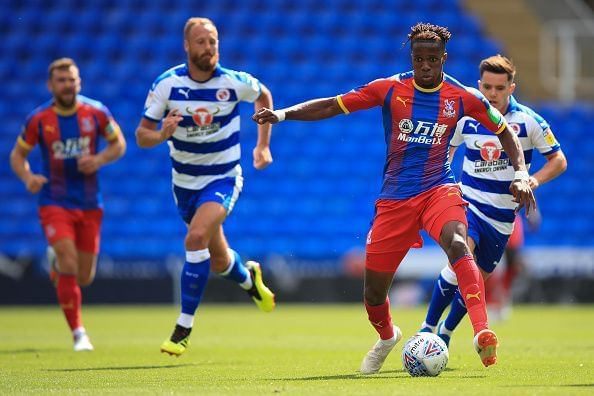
[425, 355]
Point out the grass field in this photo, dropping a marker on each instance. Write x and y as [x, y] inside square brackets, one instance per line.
[298, 349]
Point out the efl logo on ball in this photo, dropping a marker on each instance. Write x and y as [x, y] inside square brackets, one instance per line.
[425, 355]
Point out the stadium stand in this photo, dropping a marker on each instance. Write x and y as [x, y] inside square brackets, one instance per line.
[316, 200]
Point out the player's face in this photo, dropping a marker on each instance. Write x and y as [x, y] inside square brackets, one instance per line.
[64, 84]
[202, 46]
[497, 89]
[428, 59]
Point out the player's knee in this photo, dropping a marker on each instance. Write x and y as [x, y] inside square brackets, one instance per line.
[458, 248]
[196, 239]
[85, 280]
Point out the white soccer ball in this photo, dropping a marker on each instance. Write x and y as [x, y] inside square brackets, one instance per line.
[425, 355]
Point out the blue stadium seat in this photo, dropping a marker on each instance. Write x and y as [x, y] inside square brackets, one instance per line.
[317, 198]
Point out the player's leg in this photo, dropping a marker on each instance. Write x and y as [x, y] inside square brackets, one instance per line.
[445, 219]
[393, 232]
[88, 231]
[444, 290]
[472, 288]
[227, 263]
[194, 276]
[377, 305]
[488, 245]
[59, 226]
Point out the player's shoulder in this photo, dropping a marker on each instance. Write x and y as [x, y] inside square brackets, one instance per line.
[92, 104]
[39, 111]
[453, 84]
[168, 75]
[234, 75]
[526, 113]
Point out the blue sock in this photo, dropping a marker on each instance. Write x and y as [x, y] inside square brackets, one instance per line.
[457, 312]
[193, 280]
[443, 293]
[237, 272]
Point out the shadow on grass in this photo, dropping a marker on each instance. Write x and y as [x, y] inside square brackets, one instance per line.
[123, 368]
[359, 376]
[27, 350]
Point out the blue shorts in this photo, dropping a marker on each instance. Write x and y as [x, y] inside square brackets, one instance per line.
[490, 244]
[224, 191]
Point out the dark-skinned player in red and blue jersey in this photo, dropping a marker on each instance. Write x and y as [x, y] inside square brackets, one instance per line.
[420, 110]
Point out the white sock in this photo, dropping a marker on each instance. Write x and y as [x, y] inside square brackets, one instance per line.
[445, 330]
[432, 328]
[185, 320]
[79, 331]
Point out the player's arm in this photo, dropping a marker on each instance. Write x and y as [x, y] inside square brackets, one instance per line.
[20, 166]
[261, 153]
[519, 187]
[148, 135]
[115, 149]
[555, 165]
[312, 110]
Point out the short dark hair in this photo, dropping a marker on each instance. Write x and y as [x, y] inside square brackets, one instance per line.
[498, 64]
[60, 64]
[429, 32]
[190, 23]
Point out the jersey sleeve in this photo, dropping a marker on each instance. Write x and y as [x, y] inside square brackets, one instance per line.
[479, 108]
[542, 136]
[457, 138]
[29, 136]
[248, 87]
[155, 105]
[365, 97]
[109, 128]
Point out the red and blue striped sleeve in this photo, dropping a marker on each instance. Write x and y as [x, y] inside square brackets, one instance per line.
[479, 108]
[365, 97]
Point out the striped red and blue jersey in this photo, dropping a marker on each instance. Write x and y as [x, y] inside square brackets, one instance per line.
[64, 137]
[418, 126]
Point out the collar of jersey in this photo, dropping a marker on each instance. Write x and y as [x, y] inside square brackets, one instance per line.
[512, 105]
[427, 89]
[66, 112]
[216, 73]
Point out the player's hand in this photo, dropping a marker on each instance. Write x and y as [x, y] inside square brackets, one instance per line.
[33, 183]
[265, 115]
[89, 164]
[262, 157]
[523, 195]
[534, 184]
[170, 123]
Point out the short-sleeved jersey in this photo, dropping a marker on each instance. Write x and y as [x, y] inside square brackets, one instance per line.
[205, 146]
[418, 125]
[487, 171]
[63, 138]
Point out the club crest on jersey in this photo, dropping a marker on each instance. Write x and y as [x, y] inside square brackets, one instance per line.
[223, 95]
[203, 120]
[489, 150]
[423, 132]
[515, 127]
[448, 109]
[87, 125]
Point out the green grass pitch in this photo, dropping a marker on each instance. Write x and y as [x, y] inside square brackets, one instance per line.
[296, 350]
